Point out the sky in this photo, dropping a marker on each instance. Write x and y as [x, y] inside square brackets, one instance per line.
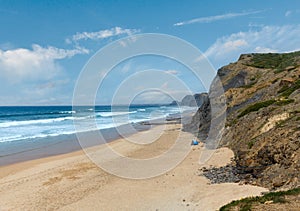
[45, 45]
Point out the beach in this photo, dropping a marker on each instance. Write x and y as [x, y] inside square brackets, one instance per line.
[73, 182]
[158, 105]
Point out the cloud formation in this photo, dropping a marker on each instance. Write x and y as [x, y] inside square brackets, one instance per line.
[288, 13]
[102, 34]
[263, 40]
[210, 19]
[173, 72]
[33, 64]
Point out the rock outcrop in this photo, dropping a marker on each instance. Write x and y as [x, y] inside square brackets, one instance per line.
[262, 94]
[195, 100]
[200, 123]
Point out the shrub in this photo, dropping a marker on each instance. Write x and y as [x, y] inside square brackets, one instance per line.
[286, 91]
[276, 61]
[251, 143]
[284, 102]
[256, 107]
[246, 203]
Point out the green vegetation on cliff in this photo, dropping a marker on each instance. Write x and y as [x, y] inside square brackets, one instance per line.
[256, 107]
[286, 91]
[276, 61]
[272, 197]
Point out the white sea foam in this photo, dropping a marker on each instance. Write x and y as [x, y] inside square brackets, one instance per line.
[110, 114]
[13, 130]
[31, 122]
[54, 133]
[67, 112]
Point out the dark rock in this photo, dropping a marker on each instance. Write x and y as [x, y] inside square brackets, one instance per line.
[226, 174]
[200, 123]
[174, 103]
[192, 100]
[189, 100]
[237, 81]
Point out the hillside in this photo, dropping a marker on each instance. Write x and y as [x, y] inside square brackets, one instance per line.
[263, 118]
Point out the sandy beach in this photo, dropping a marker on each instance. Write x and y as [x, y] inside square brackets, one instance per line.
[73, 182]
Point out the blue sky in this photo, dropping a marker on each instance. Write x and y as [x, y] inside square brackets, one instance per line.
[45, 44]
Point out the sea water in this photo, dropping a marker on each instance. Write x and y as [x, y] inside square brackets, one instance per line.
[25, 128]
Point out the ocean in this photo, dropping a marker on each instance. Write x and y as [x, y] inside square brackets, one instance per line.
[24, 130]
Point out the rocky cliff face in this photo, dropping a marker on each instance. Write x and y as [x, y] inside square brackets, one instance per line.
[195, 100]
[263, 117]
[200, 123]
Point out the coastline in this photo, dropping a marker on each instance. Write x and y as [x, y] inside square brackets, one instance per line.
[59, 145]
[11, 153]
[71, 181]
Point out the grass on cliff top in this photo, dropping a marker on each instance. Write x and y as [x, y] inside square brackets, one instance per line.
[246, 203]
[256, 107]
[274, 60]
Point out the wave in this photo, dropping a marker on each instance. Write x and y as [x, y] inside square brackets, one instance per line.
[32, 122]
[43, 135]
[110, 114]
[40, 135]
[67, 112]
[60, 122]
[82, 129]
[10, 138]
[36, 114]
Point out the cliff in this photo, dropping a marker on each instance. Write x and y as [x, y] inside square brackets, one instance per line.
[262, 127]
[195, 100]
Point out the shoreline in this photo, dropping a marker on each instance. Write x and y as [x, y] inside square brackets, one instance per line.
[71, 181]
[63, 144]
[45, 155]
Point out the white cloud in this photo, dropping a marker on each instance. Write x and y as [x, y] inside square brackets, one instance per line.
[234, 44]
[210, 19]
[102, 34]
[125, 42]
[288, 13]
[165, 86]
[127, 66]
[33, 64]
[156, 97]
[265, 39]
[264, 50]
[151, 97]
[173, 72]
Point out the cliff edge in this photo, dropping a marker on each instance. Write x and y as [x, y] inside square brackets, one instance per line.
[262, 94]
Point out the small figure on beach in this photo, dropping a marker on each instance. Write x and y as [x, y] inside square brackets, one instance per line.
[194, 142]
